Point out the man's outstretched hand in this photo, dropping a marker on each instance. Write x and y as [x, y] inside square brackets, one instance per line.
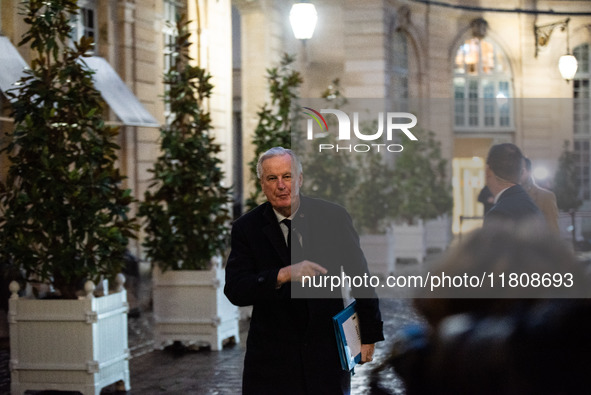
[299, 270]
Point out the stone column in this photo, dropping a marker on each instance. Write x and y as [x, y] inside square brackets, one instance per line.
[261, 34]
[365, 65]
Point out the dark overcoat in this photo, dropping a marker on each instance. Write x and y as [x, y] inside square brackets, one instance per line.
[514, 204]
[291, 346]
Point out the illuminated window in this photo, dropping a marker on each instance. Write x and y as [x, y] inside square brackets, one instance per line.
[482, 87]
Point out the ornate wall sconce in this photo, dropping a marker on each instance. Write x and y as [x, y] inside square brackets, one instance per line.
[567, 64]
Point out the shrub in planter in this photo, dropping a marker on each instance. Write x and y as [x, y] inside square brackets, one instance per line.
[186, 208]
[566, 188]
[369, 203]
[420, 180]
[422, 193]
[275, 120]
[330, 176]
[63, 216]
[187, 215]
[64, 213]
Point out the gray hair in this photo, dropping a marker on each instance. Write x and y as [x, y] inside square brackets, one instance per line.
[278, 151]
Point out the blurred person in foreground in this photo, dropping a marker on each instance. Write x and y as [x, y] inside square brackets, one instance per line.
[291, 346]
[504, 169]
[543, 198]
[513, 340]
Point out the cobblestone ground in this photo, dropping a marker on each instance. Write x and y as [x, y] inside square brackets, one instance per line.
[182, 371]
[179, 370]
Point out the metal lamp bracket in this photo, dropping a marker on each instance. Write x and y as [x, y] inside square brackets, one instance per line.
[542, 33]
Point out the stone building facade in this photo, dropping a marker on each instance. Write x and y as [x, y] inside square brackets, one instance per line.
[130, 36]
[474, 66]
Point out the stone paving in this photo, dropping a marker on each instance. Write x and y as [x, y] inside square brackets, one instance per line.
[177, 370]
[180, 370]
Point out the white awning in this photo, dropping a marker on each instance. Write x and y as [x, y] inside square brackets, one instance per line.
[117, 95]
[120, 99]
[12, 64]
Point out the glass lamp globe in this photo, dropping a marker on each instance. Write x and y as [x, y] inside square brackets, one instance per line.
[567, 64]
[303, 18]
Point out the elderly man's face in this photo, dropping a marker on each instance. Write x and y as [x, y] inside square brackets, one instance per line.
[280, 185]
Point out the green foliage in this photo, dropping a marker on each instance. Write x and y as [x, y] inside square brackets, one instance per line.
[64, 216]
[566, 186]
[187, 207]
[375, 190]
[330, 176]
[274, 125]
[420, 183]
[375, 194]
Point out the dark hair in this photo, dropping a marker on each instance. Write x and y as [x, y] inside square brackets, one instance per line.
[540, 349]
[506, 161]
[500, 247]
[505, 346]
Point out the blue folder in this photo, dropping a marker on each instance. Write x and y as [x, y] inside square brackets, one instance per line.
[346, 325]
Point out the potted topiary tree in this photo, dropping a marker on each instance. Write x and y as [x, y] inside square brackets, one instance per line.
[423, 193]
[566, 187]
[330, 176]
[187, 215]
[275, 119]
[64, 217]
[370, 202]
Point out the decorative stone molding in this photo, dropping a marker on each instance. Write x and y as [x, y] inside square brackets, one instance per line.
[402, 21]
[479, 28]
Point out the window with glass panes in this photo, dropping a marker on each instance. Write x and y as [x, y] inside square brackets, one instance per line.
[482, 87]
[85, 25]
[170, 32]
[581, 121]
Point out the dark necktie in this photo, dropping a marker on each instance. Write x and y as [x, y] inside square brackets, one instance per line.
[295, 249]
[288, 223]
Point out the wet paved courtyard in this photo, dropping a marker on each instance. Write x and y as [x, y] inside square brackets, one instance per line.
[179, 370]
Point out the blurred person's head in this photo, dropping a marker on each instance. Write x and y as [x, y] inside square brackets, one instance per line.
[501, 249]
[540, 349]
[501, 341]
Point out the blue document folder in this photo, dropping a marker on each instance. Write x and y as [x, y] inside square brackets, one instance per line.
[346, 325]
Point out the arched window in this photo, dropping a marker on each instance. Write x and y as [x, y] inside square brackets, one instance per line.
[581, 121]
[482, 87]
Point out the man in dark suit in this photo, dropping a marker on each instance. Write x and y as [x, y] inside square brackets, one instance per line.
[291, 346]
[504, 167]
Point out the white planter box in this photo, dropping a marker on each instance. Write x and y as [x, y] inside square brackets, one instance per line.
[68, 345]
[190, 307]
[438, 233]
[410, 241]
[379, 252]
